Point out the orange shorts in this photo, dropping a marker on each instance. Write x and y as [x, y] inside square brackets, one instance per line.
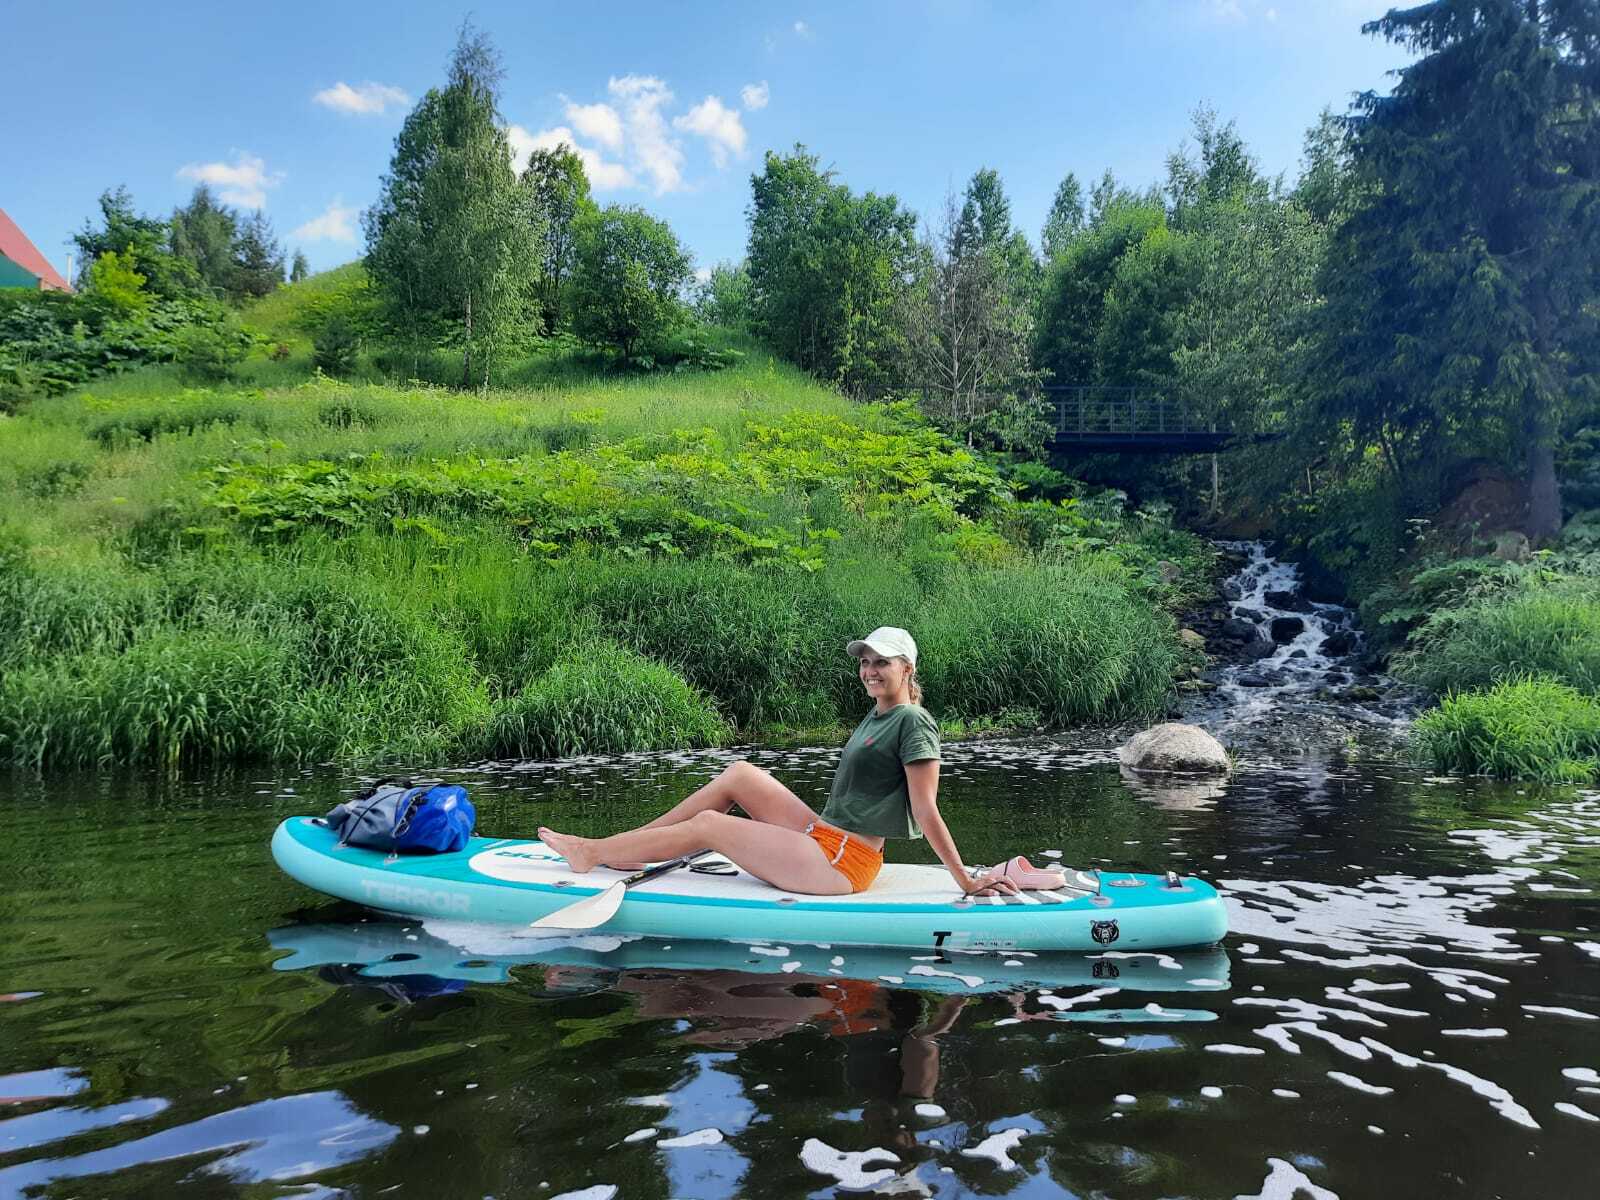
[848, 854]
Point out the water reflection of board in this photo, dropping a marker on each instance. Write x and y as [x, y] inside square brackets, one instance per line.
[506, 881]
[456, 950]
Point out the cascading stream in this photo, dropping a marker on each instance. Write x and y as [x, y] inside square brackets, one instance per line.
[1303, 661]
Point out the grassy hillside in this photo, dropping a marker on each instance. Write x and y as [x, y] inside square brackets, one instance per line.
[290, 314]
[312, 569]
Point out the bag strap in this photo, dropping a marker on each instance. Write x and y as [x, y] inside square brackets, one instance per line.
[373, 795]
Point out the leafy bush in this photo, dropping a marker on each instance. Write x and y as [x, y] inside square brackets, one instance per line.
[336, 347]
[604, 699]
[1547, 628]
[53, 341]
[212, 353]
[1518, 729]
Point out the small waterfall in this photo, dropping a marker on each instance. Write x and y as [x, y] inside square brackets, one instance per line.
[1287, 661]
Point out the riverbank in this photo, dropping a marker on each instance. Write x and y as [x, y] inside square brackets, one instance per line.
[328, 571]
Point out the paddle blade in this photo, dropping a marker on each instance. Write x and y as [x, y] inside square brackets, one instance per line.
[588, 913]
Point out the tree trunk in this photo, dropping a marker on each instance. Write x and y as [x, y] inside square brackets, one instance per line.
[466, 351]
[1544, 490]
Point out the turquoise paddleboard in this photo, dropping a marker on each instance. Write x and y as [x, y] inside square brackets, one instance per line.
[515, 882]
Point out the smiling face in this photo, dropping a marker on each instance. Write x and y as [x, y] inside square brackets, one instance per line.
[884, 678]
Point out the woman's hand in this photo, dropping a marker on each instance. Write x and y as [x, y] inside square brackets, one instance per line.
[987, 885]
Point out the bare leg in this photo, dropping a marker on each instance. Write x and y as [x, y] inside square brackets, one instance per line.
[742, 783]
[752, 789]
[785, 858]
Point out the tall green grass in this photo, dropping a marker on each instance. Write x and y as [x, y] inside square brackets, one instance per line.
[1530, 728]
[602, 698]
[717, 539]
[1541, 628]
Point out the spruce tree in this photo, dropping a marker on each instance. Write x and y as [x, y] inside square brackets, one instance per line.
[300, 269]
[257, 258]
[1463, 293]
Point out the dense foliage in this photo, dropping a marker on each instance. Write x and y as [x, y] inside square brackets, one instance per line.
[350, 571]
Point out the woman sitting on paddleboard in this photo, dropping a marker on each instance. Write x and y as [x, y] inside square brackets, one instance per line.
[886, 786]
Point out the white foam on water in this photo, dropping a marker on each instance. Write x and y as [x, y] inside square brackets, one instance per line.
[1581, 1074]
[1285, 1181]
[1229, 1048]
[420, 1130]
[650, 1101]
[1125, 1098]
[1307, 1011]
[971, 981]
[1207, 983]
[932, 1111]
[891, 979]
[639, 1135]
[1592, 949]
[1572, 1110]
[1375, 1129]
[836, 961]
[1348, 996]
[700, 1137]
[774, 951]
[1549, 1010]
[1499, 1099]
[997, 1147]
[1013, 962]
[1059, 1003]
[851, 1168]
[1474, 1033]
[1359, 1084]
[789, 968]
[1388, 910]
[1211, 1093]
[1112, 1041]
[600, 1191]
[1286, 1094]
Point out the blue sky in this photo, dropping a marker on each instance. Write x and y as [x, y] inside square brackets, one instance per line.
[294, 106]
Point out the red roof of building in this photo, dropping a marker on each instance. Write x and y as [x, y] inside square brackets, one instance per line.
[14, 244]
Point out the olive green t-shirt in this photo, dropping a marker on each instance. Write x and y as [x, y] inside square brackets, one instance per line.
[869, 793]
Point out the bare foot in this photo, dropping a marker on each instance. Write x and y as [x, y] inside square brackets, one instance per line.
[579, 852]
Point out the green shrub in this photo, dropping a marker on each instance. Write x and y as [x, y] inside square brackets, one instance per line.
[1518, 729]
[1549, 628]
[336, 347]
[212, 353]
[604, 699]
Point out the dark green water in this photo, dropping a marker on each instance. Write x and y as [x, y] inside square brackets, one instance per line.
[1411, 991]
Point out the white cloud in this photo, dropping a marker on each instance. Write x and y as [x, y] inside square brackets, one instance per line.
[337, 223]
[366, 100]
[603, 176]
[702, 274]
[653, 149]
[755, 95]
[599, 122]
[802, 29]
[243, 182]
[720, 125]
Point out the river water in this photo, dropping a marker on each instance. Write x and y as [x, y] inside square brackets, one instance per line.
[1408, 1004]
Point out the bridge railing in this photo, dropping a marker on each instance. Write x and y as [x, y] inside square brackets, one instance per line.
[1122, 411]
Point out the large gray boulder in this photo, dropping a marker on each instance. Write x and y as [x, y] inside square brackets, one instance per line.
[1174, 748]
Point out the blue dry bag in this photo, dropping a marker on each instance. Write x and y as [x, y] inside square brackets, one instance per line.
[399, 817]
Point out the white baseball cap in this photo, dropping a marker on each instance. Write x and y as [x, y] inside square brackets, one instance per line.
[887, 641]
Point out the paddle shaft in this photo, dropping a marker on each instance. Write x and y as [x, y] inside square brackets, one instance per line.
[593, 911]
[661, 868]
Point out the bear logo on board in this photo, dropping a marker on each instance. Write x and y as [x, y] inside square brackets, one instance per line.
[1104, 932]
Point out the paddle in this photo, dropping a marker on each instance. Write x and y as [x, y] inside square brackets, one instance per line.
[593, 911]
